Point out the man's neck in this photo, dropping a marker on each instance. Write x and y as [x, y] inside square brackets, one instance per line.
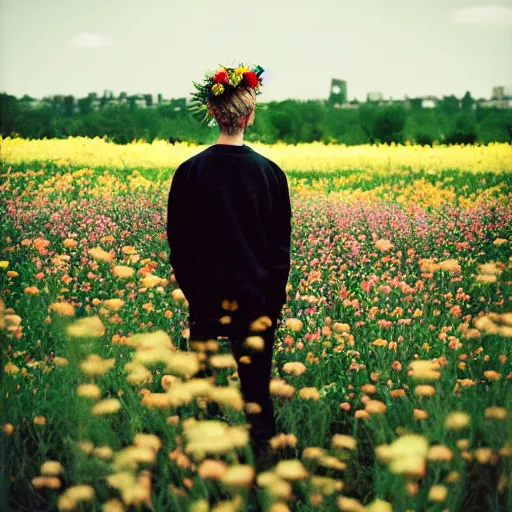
[235, 140]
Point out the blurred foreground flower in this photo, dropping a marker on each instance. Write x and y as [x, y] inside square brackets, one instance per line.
[89, 327]
[457, 420]
[213, 437]
[406, 455]
[107, 406]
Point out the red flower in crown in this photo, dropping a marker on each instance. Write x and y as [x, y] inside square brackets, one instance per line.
[251, 79]
[221, 77]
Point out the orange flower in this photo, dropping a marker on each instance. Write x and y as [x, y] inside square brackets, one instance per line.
[375, 407]
[425, 390]
[420, 414]
[129, 250]
[70, 242]
[97, 253]
[492, 375]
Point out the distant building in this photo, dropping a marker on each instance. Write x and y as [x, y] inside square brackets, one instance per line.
[178, 103]
[374, 97]
[501, 98]
[429, 102]
[338, 94]
[498, 93]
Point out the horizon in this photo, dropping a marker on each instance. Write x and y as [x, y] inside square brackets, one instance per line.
[434, 48]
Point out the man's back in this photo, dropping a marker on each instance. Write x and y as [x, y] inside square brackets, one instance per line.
[229, 229]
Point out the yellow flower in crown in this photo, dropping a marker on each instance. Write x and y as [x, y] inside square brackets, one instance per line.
[218, 89]
[235, 78]
[241, 70]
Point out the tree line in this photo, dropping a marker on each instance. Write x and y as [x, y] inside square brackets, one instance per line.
[291, 121]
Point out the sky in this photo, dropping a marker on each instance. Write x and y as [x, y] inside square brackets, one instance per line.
[396, 47]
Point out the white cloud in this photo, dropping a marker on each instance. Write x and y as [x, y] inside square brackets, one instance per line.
[488, 15]
[87, 40]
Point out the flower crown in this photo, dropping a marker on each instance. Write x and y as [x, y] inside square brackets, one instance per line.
[221, 82]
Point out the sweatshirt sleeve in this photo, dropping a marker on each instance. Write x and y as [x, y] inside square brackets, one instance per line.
[280, 247]
[180, 232]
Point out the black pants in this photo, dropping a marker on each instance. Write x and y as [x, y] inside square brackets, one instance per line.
[254, 377]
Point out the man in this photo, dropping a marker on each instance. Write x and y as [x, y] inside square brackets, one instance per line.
[229, 230]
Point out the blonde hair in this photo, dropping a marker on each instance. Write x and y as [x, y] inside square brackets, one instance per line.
[232, 110]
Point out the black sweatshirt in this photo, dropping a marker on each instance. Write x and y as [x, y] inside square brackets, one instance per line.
[229, 230]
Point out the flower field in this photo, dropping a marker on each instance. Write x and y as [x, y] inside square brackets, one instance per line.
[393, 360]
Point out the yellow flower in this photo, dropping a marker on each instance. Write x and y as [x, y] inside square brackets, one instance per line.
[261, 324]
[113, 505]
[343, 441]
[326, 485]
[182, 363]
[99, 254]
[383, 245]
[78, 493]
[425, 390]
[240, 475]
[450, 265]
[8, 429]
[122, 271]
[349, 504]
[60, 361]
[309, 393]
[130, 457]
[39, 420]
[96, 366]
[11, 368]
[483, 455]
[256, 343]
[62, 308]
[107, 406]
[437, 493]
[241, 70]
[420, 414]
[426, 370]
[150, 281]
[212, 468]
[178, 294]
[294, 367]
[114, 304]
[89, 391]
[291, 470]
[88, 327]
[375, 407]
[294, 324]
[4, 264]
[456, 420]
[439, 452]
[217, 89]
[50, 482]
[223, 361]
[227, 396]
[103, 452]
[139, 375]
[379, 506]
[495, 413]
[51, 468]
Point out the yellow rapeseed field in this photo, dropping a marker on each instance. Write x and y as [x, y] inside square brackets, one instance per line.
[496, 157]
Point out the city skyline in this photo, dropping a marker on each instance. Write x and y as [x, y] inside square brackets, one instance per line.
[432, 48]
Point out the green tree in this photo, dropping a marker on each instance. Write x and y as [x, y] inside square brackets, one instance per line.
[464, 130]
[390, 124]
[450, 105]
[367, 119]
[467, 102]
